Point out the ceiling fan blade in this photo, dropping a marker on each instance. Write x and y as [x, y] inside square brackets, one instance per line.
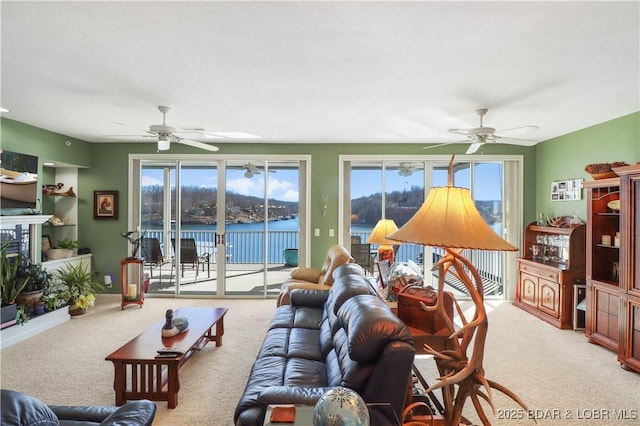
[513, 129]
[128, 136]
[517, 141]
[216, 135]
[132, 127]
[460, 131]
[437, 145]
[474, 147]
[197, 144]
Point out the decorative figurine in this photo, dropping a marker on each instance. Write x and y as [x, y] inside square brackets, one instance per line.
[134, 237]
[174, 326]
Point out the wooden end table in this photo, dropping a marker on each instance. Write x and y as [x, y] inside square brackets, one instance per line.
[140, 375]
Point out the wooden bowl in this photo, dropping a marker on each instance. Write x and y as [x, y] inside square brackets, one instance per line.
[607, 175]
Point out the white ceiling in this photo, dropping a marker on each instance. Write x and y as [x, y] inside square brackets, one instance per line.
[300, 72]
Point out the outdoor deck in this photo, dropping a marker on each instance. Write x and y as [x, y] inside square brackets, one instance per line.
[245, 270]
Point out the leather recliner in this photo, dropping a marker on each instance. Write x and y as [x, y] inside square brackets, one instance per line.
[345, 337]
[21, 409]
[314, 278]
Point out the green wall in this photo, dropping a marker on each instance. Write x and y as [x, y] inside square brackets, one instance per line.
[104, 167]
[565, 158]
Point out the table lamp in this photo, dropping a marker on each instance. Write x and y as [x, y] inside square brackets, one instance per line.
[378, 236]
[449, 219]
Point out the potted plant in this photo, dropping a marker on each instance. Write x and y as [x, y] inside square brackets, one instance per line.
[81, 286]
[66, 243]
[56, 296]
[10, 286]
[37, 281]
[63, 250]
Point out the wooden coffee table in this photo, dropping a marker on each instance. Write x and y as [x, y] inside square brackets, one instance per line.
[140, 375]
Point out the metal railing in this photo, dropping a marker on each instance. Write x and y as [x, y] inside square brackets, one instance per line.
[242, 246]
[247, 247]
[490, 264]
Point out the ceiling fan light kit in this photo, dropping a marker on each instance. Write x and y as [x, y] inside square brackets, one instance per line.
[164, 142]
[481, 135]
[166, 134]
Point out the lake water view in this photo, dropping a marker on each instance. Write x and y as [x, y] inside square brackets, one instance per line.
[245, 241]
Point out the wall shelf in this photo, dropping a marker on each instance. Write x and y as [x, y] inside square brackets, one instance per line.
[24, 220]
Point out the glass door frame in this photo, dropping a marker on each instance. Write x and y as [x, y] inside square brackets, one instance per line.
[512, 199]
[134, 168]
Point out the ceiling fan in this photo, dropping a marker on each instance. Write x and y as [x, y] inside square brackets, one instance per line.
[406, 169]
[481, 135]
[252, 170]
[166, 134]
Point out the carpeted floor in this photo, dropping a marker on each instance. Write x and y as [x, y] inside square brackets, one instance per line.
[563, 378]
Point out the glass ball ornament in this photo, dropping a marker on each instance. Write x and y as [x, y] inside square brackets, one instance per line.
[340, 407]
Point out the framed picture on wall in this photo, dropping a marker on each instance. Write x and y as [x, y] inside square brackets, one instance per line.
[105, 204]
[566, 190]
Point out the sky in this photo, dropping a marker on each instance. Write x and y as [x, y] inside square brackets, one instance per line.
[283, 183]
[487, 175]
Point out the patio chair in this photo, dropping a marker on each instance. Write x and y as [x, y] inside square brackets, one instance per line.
[189, 256]
[361, 253]
[152, 254]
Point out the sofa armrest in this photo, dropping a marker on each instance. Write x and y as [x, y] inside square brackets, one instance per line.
[291, 395]
[307, 297]
[140, 412]
[81, 413]
[134, 412]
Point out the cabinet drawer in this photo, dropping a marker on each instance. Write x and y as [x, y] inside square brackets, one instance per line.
[540, 272]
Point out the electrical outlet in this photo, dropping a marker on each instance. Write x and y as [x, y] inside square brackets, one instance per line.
[316, 232]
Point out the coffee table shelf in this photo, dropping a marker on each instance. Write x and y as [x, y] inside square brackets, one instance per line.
[140, 375]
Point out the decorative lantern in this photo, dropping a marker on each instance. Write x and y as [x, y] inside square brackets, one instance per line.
[132, 278]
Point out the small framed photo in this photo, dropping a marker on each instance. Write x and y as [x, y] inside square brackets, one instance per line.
[105, 204]
[567, 190]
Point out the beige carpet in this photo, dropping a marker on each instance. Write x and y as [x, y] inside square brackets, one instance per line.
[556, 372]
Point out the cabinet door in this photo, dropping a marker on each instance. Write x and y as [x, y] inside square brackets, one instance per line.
[634, 233]
[529, 289]
[549, 297]
[606, 329]
[630, 353]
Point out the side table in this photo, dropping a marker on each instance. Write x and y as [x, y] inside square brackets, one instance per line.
[304, 416]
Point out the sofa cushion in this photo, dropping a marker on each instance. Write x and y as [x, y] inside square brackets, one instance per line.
[306, 274]
[305, 372]
[19, 409]
[368, 334]
[348, 284]
[304, 343]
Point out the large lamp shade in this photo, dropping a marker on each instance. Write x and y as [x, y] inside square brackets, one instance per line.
[449, 218]
[383, 228]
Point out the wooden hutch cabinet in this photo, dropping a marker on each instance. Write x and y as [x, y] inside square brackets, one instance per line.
[552, 262]
[603, 257]
[629, 348]
[613, 264]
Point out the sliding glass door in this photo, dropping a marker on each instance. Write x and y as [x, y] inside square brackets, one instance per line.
[395, 189]
[262, 225]
[219, 227]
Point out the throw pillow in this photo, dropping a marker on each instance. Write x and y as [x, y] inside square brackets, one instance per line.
[306, 274]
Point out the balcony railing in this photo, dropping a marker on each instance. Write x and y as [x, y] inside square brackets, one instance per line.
[242, 247]
[490, 265]
[247, 247]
